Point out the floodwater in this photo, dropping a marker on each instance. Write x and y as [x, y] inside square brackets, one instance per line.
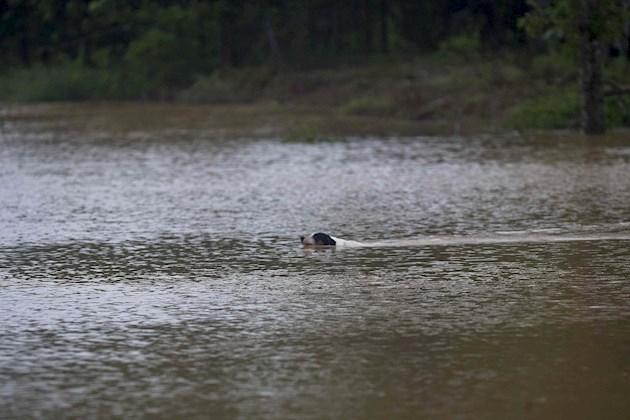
[158, 273]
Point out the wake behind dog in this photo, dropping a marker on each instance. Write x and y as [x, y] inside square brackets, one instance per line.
[320, 239]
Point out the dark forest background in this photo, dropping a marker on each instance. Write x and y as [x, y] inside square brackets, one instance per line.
[161, 49]
[207, 34]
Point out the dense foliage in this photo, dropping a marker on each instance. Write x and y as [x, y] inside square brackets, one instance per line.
[589, 27]
[167, 42]
[476, 56]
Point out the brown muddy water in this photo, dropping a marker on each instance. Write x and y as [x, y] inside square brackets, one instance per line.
[158, 273]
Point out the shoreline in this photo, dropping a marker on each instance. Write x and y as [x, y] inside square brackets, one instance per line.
[422, 96]
[289, 122]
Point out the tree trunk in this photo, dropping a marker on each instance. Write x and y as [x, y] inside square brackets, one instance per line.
[384, 26]
[367, 27]
[591, 84]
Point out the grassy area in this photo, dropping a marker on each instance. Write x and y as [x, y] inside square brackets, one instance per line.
[447, 93]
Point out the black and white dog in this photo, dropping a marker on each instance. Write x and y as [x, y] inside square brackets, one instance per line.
[323, 239]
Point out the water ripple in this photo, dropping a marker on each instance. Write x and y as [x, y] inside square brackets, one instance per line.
[159, 274]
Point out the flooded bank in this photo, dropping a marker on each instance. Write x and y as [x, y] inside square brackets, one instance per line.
[158, 272]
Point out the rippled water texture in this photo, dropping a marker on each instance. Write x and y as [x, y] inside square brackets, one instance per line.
[159, 273]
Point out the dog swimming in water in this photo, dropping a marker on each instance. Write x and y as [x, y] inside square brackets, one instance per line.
[323, 239]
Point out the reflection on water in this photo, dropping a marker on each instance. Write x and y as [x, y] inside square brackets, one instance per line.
[161, 275]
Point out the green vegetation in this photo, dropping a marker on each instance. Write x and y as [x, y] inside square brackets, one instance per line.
[443, 66]
[70, 82]
[588, 28]
[558, 110]
[306, 134]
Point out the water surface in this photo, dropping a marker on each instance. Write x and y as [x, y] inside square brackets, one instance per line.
[159, 273]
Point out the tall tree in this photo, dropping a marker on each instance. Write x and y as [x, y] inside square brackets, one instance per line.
[586, 26]
[591, 82]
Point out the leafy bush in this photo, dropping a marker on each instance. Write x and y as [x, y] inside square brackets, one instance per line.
[555, 66]
[618, 69]
[66, 82]
[562, 110]
[170, 54]
[551, 111]
[616, 112]
[158, 59]
[461, 47]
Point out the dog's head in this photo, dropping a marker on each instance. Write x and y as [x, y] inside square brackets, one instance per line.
[318, 239]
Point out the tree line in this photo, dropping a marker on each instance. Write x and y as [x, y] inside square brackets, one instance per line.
[207, 34]
[168, 43]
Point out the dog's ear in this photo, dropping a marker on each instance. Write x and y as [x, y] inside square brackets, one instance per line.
[323, 239]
